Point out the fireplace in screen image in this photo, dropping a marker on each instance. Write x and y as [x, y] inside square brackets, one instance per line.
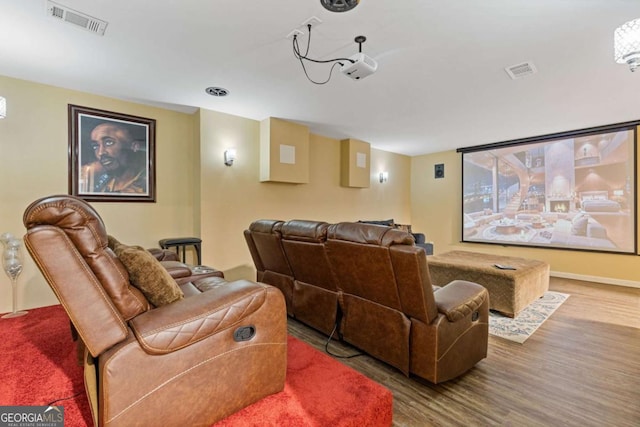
[560, 206]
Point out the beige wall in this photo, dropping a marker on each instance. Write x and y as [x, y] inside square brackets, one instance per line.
[436, 205]
[233, 196]
[33, 149]
[197, 195]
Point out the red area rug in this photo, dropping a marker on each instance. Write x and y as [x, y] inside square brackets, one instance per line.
[38, 362]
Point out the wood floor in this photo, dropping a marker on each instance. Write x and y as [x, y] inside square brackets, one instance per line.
[580, 368]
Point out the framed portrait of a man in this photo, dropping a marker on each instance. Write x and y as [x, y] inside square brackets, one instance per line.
[111, 156]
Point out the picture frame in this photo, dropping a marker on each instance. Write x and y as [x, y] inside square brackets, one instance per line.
[111, 156]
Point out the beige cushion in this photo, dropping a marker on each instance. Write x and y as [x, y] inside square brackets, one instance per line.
[113, 243]
[147, 274]
[403, 227]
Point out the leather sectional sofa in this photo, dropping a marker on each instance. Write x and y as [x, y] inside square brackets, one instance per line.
[371, 283]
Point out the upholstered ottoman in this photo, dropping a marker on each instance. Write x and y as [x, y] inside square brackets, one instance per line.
[510, 291]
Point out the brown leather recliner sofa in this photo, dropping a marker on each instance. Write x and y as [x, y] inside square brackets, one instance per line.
[190, 362]
[372, 283]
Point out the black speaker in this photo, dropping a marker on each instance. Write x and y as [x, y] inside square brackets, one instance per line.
[439, 170]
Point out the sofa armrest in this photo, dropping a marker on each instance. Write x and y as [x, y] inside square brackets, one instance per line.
[187, 321]
[183, 273]
[459, 299]
[176, 269]
[163, 254]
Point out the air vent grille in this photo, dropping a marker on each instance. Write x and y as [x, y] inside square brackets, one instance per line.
[89, 23]
[57, 12]
[521, 70]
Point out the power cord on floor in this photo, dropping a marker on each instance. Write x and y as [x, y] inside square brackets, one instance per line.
[64, 398]
[326, 346]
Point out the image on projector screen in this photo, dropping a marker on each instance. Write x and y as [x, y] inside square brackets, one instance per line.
[573, 192]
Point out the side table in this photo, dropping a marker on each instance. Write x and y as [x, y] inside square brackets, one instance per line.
[180, 243]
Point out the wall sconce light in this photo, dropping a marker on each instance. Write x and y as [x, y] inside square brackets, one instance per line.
[626, 44]
[384, 176]
[229, 156]
[3, 108]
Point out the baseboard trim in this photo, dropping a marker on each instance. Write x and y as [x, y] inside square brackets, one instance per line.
[605, 280]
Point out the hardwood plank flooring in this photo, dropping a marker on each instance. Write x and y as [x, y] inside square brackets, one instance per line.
[580, 368]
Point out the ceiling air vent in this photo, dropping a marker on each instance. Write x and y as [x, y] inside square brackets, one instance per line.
[521, 70]
[339, 5]
[217, 91]
[63, 13]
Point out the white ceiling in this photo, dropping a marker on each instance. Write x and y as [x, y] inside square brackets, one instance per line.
[440, 83]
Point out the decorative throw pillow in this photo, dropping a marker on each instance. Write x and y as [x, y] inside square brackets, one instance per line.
[579, 225]
[404, 227]
[113, 243]
[148, 275]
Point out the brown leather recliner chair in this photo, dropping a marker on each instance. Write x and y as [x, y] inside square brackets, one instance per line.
[373, 316]
[191, 362]
[315, 292]
[391, 311]
[264, 238]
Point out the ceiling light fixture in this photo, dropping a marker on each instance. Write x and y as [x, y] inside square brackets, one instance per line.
[626, 43]
[357, 66]
[339, 5]
[217, 91]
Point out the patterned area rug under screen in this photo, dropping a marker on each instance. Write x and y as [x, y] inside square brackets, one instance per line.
[529, 319]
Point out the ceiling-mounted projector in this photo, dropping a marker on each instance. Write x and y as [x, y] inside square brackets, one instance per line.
[361, 67]
[356, 67]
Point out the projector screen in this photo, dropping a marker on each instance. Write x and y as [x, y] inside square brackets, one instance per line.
[574, 190]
